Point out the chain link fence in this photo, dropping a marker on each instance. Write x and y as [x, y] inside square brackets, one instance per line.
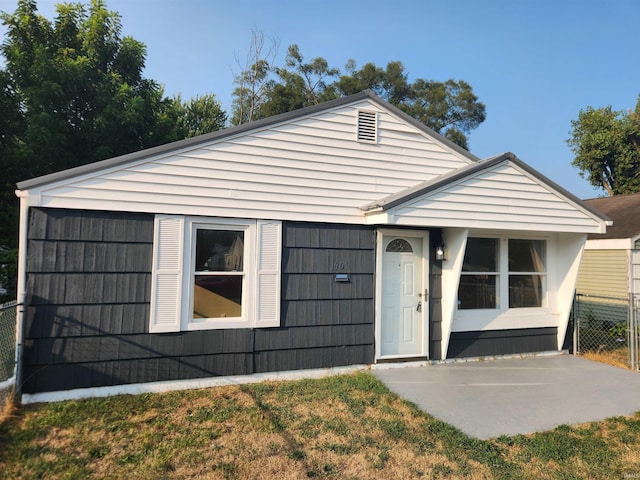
[606, 328]
[7, 349]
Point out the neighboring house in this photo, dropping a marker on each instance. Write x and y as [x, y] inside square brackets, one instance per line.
[342, 234]
[611, 262]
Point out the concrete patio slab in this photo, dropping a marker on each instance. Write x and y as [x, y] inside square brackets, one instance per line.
[486, 399]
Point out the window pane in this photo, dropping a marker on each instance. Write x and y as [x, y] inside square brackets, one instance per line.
[217, 296]
[219, 251]
[481, 255]
[399, 245]
[527, 255]
[478, 291]
[525, 290]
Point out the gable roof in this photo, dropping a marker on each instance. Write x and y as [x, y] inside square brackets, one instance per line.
[624, 210]
[469, 171]
[308, 165]
[238, 130]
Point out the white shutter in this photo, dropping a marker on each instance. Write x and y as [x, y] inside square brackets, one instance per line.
[166, 276]
[269, 248]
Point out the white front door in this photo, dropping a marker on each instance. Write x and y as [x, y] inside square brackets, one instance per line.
[402, 293]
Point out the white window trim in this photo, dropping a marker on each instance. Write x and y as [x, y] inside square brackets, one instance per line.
[188, 323]
[503, 312]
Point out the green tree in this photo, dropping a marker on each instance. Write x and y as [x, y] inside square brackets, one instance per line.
[254, 79]
[450, 108]
[80, 87]
[200, 115]
[390, 84]
[72, 92]
[299, 84]
[606, 144]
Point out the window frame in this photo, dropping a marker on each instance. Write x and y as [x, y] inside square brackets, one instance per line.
[502, 278]
[497, 274]
[515, 273]
[192, 226]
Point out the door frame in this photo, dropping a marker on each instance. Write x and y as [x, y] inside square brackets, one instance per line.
[423, 235]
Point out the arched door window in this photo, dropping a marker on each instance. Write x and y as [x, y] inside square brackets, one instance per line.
[399, 245]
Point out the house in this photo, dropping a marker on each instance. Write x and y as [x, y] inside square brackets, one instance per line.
[611, 261]
[342, 234]
[608, 285]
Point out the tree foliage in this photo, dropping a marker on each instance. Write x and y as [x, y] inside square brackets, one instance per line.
[606, 144]
[200, 115]
[450, 108]
[72, 92]
[253, 80]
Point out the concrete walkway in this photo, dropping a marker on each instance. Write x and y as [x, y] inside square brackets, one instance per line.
[517, 395]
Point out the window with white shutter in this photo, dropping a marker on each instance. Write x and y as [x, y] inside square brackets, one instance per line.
[215, 273]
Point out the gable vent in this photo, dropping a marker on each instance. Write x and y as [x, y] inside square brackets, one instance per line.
[367, 127]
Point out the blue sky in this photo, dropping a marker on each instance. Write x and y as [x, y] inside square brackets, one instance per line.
[534, 63]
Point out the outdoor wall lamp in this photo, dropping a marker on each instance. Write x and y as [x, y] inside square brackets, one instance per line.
[440, 252]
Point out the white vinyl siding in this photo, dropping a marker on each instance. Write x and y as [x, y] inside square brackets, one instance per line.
[503, 198]
[308, 169]
[604, 273]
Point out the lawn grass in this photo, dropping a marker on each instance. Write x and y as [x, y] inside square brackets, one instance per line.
[347, 427]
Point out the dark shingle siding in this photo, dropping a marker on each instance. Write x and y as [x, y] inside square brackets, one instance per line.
[502, 342]
[88, 283]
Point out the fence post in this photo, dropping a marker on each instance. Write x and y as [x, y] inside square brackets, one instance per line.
[576, 326]
[634, 331]
[630, 333]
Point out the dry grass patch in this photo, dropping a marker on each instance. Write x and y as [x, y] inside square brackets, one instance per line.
[8, 406]
[347, 427]
[618, 357]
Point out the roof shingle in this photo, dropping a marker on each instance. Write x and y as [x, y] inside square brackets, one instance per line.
[624, 210]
